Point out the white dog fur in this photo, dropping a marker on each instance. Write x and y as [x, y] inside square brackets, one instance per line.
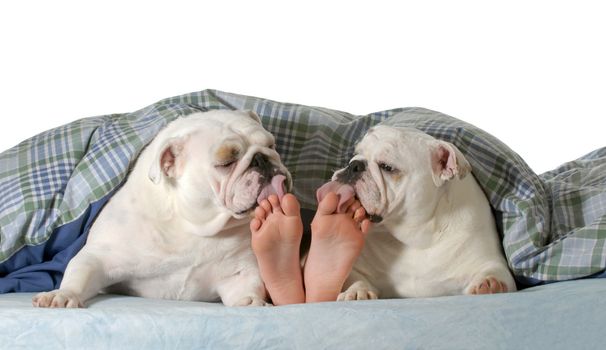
[178, 228]
[436, 235]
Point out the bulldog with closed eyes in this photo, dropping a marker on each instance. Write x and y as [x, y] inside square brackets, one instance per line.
[434, 231]
[179, 227]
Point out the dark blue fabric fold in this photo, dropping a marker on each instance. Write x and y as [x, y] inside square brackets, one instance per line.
[40, 268]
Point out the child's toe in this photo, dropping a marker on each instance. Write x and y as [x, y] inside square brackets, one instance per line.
[266, 206]
[255, 225]
[329, 204]
[359, 214]
[260, 213]
[290, 205]
[275, 203]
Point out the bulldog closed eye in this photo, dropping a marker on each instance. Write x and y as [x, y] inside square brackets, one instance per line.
[436, 235]
[178, 228]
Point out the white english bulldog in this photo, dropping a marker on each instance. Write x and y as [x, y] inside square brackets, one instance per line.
[179, 227]
[434, 231]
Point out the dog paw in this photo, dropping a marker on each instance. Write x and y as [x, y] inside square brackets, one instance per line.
[488, 285]
[57, 299]
[358, 291]
[252, 301]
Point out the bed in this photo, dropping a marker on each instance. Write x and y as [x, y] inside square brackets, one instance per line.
[565, 315]
[553, 230]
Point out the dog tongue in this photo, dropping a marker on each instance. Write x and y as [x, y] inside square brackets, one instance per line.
[276, 186]
[344, 191]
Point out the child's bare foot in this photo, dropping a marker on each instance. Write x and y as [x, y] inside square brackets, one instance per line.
[276, 236]
[336, 243]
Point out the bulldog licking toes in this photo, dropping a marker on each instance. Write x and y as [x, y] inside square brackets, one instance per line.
[178, 228]
[434, 232]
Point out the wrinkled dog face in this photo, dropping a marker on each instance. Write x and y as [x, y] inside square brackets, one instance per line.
[221, 158]
[396, 171]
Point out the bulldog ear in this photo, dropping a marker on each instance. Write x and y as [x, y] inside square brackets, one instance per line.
[254, 116]
[168, 161]
[447, 162]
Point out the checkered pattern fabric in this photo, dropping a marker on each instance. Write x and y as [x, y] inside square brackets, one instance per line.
[553, 226]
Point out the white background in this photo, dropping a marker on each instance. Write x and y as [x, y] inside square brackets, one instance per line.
[533, 73]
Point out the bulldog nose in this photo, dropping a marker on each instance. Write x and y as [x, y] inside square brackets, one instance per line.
[260, 161]
[357, 166]
[352, 173]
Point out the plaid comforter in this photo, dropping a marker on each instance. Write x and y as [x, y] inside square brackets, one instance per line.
[52, 186]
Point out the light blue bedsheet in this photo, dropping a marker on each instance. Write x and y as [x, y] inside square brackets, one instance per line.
[565, 315]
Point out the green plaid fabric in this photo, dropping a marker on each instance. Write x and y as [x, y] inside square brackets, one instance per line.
[553, 226]
[577, 197]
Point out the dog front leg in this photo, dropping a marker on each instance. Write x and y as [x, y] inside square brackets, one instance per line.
[493, 277]
[358, 288]
[243, 289]
[84, 277]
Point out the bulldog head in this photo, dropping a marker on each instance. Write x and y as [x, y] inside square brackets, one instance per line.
[218, 159]
[398, 173]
